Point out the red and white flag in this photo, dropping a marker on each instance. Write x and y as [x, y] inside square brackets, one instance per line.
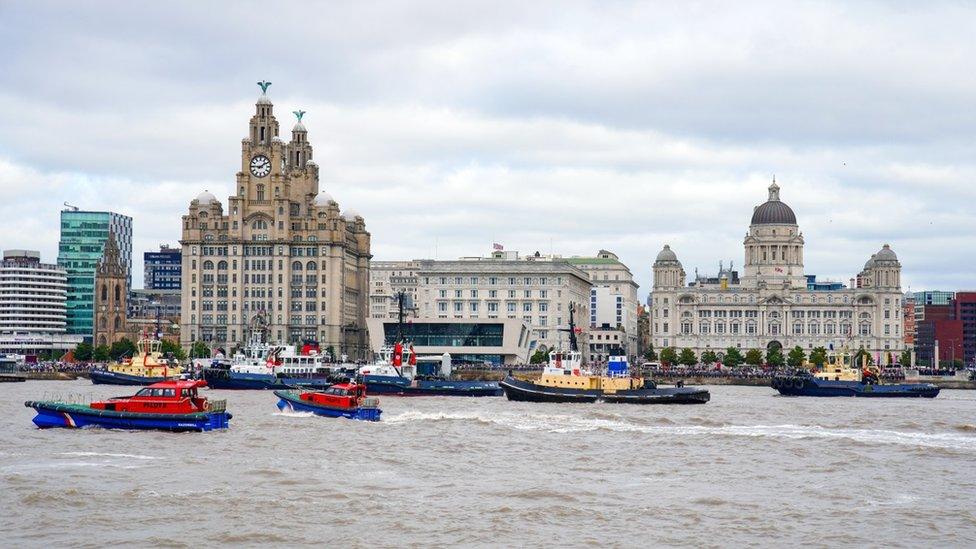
[497, 247]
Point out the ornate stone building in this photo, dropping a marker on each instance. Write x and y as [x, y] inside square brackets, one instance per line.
[111, 297]
[774, 303]
[281, 258]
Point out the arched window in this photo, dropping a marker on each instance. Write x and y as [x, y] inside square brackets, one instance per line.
[102, 323]
[222, 266]
[310, 266]
[104, 292]
[208, 265]
[118, 323]
[118, 294]
[296, 266]
[797, 328]
[260, 188]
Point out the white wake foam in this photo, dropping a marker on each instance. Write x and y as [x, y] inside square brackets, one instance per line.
[575, 424]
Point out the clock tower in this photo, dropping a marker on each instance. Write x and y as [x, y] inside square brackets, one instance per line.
[281, 256]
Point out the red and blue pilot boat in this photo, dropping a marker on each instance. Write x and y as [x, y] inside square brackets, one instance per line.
[346, 400]
[168, 405]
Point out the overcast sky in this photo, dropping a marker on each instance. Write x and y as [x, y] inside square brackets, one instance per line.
[565, 127]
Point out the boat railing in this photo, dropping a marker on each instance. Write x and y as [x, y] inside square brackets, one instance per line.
[217, 405]
[68, 398]
[369, 402]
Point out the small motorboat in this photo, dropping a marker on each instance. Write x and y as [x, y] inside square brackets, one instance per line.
[168, 405]
[347, 400]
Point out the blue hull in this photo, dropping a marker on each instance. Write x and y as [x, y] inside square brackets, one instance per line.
[105, 377]
[399, 386]
[810, 386]
[55, 414]
[225, 379]
[292, 403]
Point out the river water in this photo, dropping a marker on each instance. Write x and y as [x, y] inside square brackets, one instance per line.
[747, 469]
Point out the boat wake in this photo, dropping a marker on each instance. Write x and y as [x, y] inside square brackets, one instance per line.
[293, 413]
[102, 454]
[575, 424]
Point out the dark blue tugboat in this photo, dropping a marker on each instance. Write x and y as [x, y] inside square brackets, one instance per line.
[839, 378]
[564, 380]
[167, 406]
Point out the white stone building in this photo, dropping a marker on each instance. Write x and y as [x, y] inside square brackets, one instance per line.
[386, 280]
[33, 297]
[539, 290]
[613, 298]
[772, 303]
[281, 257]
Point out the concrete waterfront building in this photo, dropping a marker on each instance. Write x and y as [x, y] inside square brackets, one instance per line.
[772, 305]
[539, 290]
[83, 238]
[281, 258]
[33, 305]
[496, 341]
[386, 280]
[162, 270]
[613, 297]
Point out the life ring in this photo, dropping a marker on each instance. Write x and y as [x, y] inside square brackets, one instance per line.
[798, 383]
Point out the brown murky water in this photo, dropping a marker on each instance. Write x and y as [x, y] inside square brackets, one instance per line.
[749, 468]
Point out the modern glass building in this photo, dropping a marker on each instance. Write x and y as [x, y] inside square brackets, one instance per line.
[83, 237]
[163, 270]
[467, 340]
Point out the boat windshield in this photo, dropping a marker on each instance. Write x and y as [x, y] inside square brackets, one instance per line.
[144, 393]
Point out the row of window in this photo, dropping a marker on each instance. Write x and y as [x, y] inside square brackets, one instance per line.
[493, 280]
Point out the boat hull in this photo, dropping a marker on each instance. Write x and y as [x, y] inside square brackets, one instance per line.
[225, 379]
[526, 391]
[810, 386]
[290, 402]
[107, 377]
[399, 386]
[57, 414]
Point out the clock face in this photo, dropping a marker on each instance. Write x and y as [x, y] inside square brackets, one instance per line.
[260, 165]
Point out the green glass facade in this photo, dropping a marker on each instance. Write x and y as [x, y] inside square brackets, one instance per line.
[83, 237]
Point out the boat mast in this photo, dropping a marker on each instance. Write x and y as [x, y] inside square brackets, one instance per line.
[573, 345]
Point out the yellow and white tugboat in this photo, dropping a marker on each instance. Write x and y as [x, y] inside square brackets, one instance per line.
[145, 367]
[564, 380]
[840, 376]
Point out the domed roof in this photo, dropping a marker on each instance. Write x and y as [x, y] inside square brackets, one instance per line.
[773, 211]
[666, 254]
[886, 254]
[263, 100]
[870, 263]
[323, 199]
[299, 127]
[351, 214]
[206, 197]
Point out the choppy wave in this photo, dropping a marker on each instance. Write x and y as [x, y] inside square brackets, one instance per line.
[575, 424]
